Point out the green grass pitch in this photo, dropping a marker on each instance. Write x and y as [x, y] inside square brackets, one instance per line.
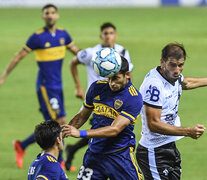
[143, 31]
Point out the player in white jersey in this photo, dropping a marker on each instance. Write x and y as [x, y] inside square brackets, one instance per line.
[161, 89]
[108, 36]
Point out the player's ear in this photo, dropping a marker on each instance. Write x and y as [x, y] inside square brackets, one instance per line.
[127, 75]
[57, 16]
[162, 62]
[58, 140]
[116, 35]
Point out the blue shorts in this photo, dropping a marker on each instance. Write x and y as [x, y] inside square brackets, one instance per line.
[51, 103]
[115, 166]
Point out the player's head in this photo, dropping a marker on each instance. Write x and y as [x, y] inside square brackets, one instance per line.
[48, 134]
[108, 34]
[50, 14]
[172, 61]
[120, 79]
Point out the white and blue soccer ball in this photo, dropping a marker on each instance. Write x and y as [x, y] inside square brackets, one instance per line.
[106, 62]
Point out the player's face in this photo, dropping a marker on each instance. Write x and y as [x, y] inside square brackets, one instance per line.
[172, 68]
[108, 36]
[50, 16]
[118, 81]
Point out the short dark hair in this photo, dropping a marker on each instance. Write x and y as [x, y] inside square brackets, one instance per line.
[174, 50]
[46, 134]
[124, 66]
[107, 25]
[48, 6]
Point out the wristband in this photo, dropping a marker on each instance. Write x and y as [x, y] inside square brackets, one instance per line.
[83, 133]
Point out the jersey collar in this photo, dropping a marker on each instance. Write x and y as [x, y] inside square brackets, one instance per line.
[162, 77]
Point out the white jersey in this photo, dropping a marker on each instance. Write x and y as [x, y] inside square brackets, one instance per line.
[159, 93]
[85, 56]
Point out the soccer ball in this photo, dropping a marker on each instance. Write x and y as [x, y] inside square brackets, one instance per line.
[106, 62]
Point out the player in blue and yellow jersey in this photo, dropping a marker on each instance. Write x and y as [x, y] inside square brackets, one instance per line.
[115, 104]
[48, 136]
[49, 45]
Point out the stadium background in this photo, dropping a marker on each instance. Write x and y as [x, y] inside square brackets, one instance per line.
[142, 30]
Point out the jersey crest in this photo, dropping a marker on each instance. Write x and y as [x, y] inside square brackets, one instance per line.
[62, 41]
[117, 104]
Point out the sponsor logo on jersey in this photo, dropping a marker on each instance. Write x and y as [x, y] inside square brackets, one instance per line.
[97, 98]
[47, 44]
[117, 104]
[104, 110]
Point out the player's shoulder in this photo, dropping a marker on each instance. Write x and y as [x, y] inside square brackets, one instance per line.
[97, 47]
[102, 81]
[49, 161]
[40, 31]
[99, 84]
[154, 77]
[118, 47]
[60, 28]
[132, 92]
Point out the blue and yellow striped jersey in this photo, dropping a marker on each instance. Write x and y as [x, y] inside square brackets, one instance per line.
[107, 105]
[46, 167]
[49, 52]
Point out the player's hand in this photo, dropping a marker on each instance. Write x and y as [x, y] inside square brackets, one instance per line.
[197, 131]
[2, 81]
[68, 130]
[79, 93]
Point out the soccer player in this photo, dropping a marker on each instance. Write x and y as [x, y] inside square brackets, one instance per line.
[161, 89]
[49, 45]
[115, 104]
[48, 136]
[108, 36]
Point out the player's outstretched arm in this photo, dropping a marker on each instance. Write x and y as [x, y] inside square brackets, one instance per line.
[22, 53]
[157, 126]
[108, 131]
[74, 49]
[79, 92]
[192, 82]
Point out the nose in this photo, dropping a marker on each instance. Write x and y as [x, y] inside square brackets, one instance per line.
[178, 69]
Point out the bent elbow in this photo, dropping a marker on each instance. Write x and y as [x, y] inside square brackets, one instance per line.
[152, 127]
[115, 132]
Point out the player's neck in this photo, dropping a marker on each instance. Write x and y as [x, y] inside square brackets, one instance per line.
[51, 29]
[108, 45]
[53, 151]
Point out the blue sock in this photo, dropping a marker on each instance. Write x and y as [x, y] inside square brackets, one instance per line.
[29, 140]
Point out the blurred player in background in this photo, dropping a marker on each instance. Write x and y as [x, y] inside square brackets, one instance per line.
[49, 45]
[108, 36]
[48, 136]
[161, 89]
[115, 104]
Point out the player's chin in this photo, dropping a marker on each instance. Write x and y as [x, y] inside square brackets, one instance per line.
[115, 89]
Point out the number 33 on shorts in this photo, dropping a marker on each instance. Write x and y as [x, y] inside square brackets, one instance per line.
[85, 173]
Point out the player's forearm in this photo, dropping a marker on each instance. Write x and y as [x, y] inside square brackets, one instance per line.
[74, 71]
[107, 131]
[77, 121]
[14, 62]
[167, 129]
[191, 82]
[11, 66]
